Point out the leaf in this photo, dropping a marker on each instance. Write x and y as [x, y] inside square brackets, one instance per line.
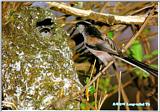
[83, 106]
[93, 103]
[148, 56]
[146, 30]
[110, 34]
[155, 52]
[136, 51]
[107, 81]
[154, 66]
[92, 90]
[104, 84]
[87, 80]
[141, 73]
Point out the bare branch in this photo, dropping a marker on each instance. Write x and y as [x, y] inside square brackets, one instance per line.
[138, 33]
[101, 17]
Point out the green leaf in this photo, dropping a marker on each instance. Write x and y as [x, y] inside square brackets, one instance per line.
[93, 103]
[155, 52]
[107, 81]
[92, 90]
[87, 80]
[154, 66]
[83, 106]
[110, 34]
[148, 56]
[146, 30]
[136, 51]
[104, 84]
[141, 73]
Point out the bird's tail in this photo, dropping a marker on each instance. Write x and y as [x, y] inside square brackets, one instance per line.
[140, 65]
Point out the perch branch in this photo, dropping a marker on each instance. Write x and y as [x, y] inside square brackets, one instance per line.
[101, 17]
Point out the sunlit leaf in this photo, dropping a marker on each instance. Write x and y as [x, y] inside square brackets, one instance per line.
[148, 56]
[87, 80]
[154, 66]
[110, 34]
[104, 85]
[83, 106]
[92, 90]
[155, 52]
[141, 73]
[136, 51]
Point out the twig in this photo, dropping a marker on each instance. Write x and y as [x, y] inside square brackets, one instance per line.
[125, 98]
[139, 10]
[115, 91]
[119, 91]
[97, 83]
[97, 76]
[90, 80]
[138, 33]
[103, 8]
[93, 80]
[138, 95]
[101, 17]
[92, 70]
[99, 103]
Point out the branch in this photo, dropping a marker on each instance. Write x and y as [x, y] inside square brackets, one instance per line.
[92, 81]
[115, 91]
[140, 30]
[96, 16]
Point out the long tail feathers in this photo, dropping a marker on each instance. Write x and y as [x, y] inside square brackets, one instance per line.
[140, 65]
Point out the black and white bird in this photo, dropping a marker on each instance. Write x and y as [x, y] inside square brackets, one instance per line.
[105, 50]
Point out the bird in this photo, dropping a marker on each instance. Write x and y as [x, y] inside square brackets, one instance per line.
[105, 49]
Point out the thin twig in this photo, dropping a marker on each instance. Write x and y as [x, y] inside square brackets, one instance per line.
[142, 9]
[119, 91]
[90, 80]
[103, 8]
[97, 76]
[125, 98]
[138, 95]
[97, 83]
[99, 103]
[115, 91]
[138, 33]
[92, 70]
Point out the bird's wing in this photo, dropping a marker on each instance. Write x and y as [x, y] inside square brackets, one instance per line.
[103, 56]
[105, 46]
[106, 51]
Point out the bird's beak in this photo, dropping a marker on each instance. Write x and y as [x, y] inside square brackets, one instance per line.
[73, 29]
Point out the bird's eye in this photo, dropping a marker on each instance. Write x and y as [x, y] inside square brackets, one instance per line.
[45, 26]
[45, 32]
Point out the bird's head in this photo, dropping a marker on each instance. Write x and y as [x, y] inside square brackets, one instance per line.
[82, 26]
[86, 28]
